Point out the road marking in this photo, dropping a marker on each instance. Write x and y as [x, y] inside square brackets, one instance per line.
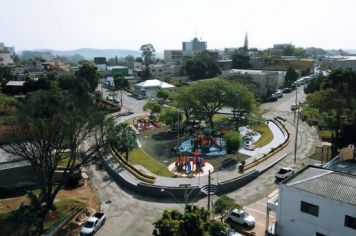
[263, 204]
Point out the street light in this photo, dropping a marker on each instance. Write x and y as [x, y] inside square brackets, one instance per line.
[186, 194]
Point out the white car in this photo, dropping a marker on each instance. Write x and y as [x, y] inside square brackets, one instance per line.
[241, 217]
[284, 173]
[250, 147]
[93, 224]
[294, 107]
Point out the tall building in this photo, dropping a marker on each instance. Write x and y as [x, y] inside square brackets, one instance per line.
[194, 45]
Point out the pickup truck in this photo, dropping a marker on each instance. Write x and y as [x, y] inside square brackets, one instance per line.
[93, 224]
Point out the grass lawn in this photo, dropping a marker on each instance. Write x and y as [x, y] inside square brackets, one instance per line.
[327, 134]
[138, 157]
[19, 223]
[220, 117]
[266, 134]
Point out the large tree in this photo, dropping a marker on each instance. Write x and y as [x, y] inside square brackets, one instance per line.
[59, 128]
[89, 72]
[154, 107]
[290, 77]
[148, 54]
[194, 221]
[170, 116]
[123, 137]
[240, 60]
[203, 65]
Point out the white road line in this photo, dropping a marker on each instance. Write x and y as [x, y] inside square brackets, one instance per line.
[259, 212]
[263, 204]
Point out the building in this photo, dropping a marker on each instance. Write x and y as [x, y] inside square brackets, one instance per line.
[268, 81]
[343, 63]
[100, 63]
[173, 57]
[5, 58]
[194, 45]
[149, 88]
[315, 201]
[117, 70]
[158, 71]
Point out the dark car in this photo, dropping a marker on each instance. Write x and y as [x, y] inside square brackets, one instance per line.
[271, 99]
[286, 90]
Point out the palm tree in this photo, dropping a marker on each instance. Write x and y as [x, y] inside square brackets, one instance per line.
[123, 137]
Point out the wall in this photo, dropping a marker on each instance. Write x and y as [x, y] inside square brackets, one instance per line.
[330, 221]
[233, 184]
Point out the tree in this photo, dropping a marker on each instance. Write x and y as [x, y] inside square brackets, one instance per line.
[203, 65]
[57, 127]
[233, 141]
[170, 116]
[89, 72]
[120, 83]
[223, 204]
[183, 100]
[154, 107]
[194, 221]
[148, 54]
[240, 60]
[288, 51]
[290, 77]
[164, 94]
[208, 97]
[123, 137]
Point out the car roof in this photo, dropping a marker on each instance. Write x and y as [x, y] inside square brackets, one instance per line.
[238, 210]
[287, 168]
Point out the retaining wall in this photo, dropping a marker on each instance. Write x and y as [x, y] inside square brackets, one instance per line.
[233, 184]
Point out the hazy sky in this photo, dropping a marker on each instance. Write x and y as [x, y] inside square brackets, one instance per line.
[71, 24]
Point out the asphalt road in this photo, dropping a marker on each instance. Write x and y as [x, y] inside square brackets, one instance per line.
[130, 214]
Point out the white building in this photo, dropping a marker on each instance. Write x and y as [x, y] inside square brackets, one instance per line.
[315, 201]
[158, 71]
[268, 81]
[149, 88]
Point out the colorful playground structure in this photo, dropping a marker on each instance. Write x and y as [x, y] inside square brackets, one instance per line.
[188, 163]
[209, 143]
[147, 122]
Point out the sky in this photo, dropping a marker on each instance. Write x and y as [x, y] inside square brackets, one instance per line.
[128, 24]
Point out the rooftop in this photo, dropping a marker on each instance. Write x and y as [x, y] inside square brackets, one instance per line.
[15, 83]
[154, 83]
[325, 183]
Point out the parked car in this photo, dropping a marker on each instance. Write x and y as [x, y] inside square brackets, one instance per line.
[231, 232]
[294, 107]
[110, 98]
[272, 98]
[250, 147]
[286, 90]
[284, 173]
[93, 224]
[116, 99]
[241, 217]
[279, 94]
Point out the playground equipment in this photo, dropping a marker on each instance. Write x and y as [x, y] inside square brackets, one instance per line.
[187, 162]
[209, 143]
[147, 122]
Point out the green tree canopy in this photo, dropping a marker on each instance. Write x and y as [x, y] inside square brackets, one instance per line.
[194, 221]
[89, 72]
[223, 204]
[170, 116]
[203, 65]
[290, 77]
[154, 107]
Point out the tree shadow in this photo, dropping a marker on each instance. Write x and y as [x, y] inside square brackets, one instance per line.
[164, 136]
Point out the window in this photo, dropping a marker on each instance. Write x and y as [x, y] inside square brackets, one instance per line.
[319, 234]
[309, 208]
[350, 222]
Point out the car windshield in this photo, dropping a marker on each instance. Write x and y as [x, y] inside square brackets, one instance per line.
[89, 224]
[244, 214]
[283, 171]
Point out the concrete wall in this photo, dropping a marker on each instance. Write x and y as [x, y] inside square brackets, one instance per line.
[233, 184]
[330, 220]
[16, 174]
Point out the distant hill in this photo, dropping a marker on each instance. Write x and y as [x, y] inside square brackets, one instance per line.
[90, 53]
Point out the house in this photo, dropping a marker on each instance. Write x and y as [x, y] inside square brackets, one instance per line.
[268, 81]
[315, 201]
[14, 87]
[149, 88]
[158, 71]
[343, 63]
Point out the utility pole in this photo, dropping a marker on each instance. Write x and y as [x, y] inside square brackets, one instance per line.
[209, 183]
[296, 138]
[296, 100]
[121, 98]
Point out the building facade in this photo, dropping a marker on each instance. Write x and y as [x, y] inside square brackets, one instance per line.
[315, 201]
[194, 45]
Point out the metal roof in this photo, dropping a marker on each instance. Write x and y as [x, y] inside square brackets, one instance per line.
[326, 183]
